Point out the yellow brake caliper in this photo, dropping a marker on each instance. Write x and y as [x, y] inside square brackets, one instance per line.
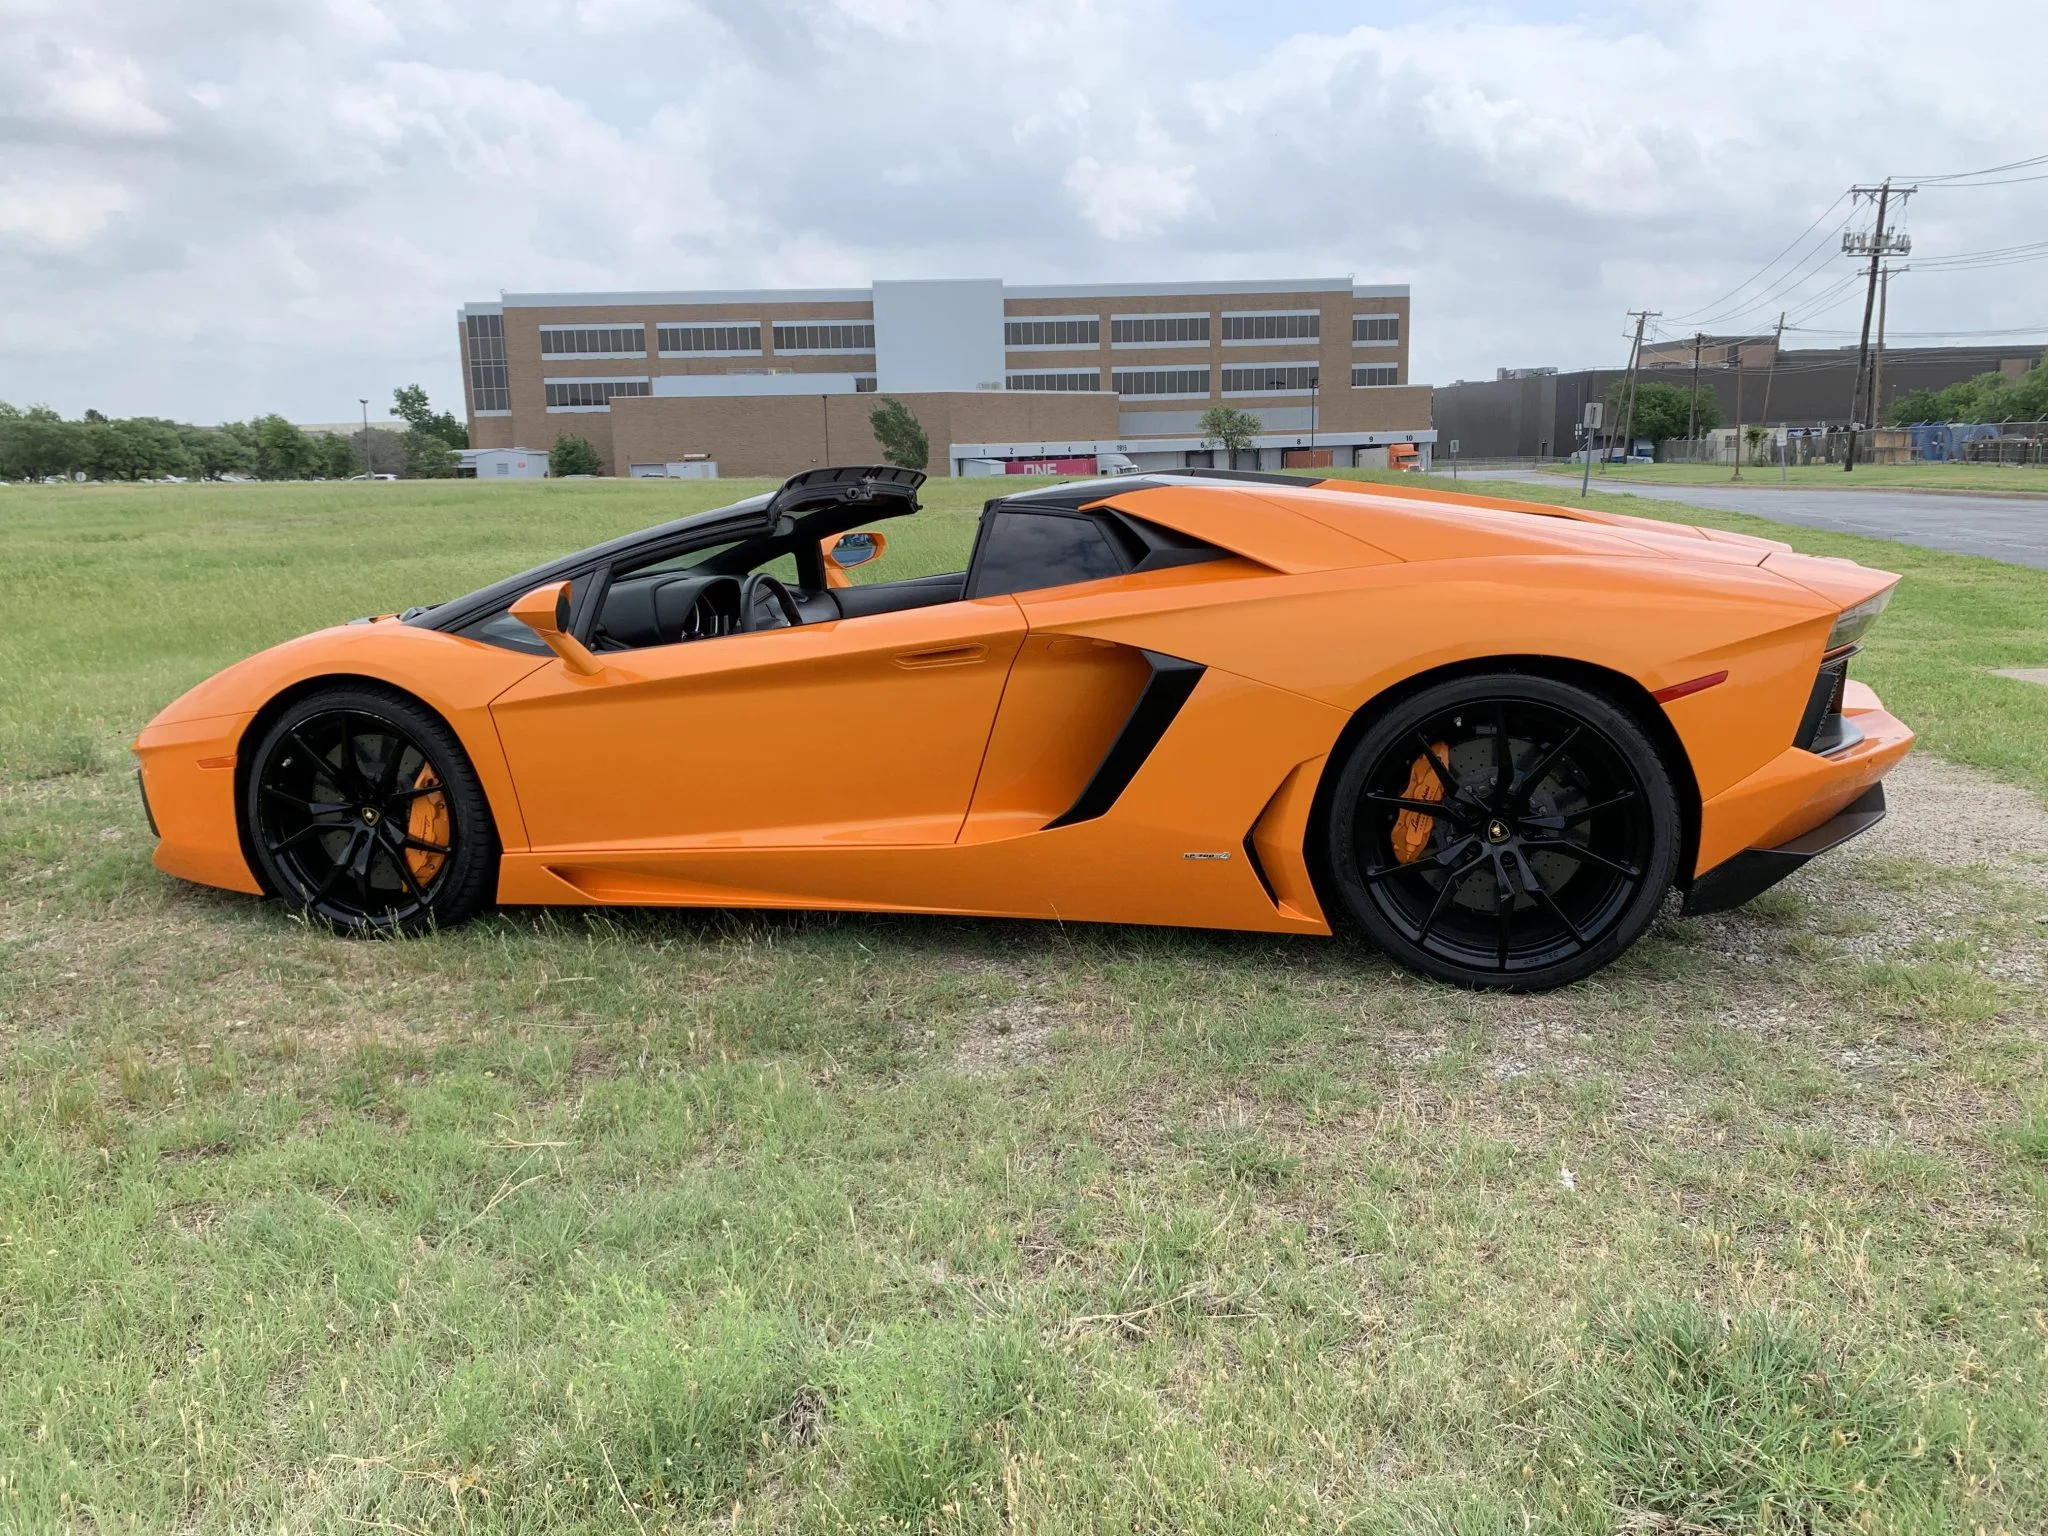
[1412, 828]
[427, 824]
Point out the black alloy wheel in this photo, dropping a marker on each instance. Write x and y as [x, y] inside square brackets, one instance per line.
[1504, 831]
[363, 811]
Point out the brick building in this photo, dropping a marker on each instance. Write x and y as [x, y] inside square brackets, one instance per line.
[774, 381]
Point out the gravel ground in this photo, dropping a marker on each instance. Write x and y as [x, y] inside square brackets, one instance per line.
[1947, 814]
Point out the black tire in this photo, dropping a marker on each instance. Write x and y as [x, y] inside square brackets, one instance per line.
[1524, 869]
[363, 811]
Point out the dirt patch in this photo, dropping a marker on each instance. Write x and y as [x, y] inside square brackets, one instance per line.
[1006, 1036]
[1948, 814]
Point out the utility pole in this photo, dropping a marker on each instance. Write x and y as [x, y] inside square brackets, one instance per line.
[1635, 360]
[367, 475]
[1692, 412]
[1884, 292]
[1777, 346]
[1876, 244]
[1738, 410]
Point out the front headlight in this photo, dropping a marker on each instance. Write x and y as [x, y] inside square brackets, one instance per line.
[1856, 619]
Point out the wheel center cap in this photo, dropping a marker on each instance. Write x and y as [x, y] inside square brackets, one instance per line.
[1497, 832]
[370, 815]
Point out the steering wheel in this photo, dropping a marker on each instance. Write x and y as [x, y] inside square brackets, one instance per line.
[765, 603]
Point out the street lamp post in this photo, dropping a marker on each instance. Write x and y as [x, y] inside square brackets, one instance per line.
[366, 436]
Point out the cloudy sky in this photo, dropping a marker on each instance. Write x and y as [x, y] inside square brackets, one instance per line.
[211, 208]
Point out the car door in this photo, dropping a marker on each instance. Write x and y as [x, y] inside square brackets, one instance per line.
[854, 731]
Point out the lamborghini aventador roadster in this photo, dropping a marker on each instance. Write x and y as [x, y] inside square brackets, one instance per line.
[1491, 734]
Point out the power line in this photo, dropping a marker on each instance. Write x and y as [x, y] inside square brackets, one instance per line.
[1795, 240]
[1989, 170]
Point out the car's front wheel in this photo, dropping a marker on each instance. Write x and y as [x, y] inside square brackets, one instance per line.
[363, 810]
[1504, 831]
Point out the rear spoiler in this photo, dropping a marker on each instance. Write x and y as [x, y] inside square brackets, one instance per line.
[849, 482]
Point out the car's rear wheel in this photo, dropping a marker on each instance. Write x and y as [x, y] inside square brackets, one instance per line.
[1504, 831]
[363, 811]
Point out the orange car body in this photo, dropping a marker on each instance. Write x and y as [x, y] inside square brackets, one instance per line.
[928, 760]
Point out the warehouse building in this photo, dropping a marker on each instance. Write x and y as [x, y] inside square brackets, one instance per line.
[1534, 412]
[773, 381]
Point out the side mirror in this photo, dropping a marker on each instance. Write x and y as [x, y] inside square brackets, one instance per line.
[849, 550]
[545, 611]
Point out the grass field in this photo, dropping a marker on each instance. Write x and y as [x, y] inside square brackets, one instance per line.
[645, 1221]
[1828, 477]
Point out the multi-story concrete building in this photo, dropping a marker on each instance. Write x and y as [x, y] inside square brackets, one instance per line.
[774, 381]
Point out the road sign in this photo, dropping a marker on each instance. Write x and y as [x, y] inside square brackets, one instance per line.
[1454, 447]
[1595, 410]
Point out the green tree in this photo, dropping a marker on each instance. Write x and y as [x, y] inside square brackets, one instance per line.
[902, 439]
[334, 456]
[428, 455]
[283, 452]
[1228, 428]
[1988, 397]
[216, 451]
[573, 456]
[1662, 410]
[37, 442]
[411, 406]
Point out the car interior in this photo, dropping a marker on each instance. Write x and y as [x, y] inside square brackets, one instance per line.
[779, 580]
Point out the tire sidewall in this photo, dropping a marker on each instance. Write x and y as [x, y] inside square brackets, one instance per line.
[467, 884]
[1595, 710]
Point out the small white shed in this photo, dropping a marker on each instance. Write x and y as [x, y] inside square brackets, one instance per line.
[505, 463]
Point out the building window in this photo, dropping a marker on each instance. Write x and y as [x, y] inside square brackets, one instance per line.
[1088, 379]
[1053, 333]
[1271, 379]
[857, 336]
[1161, 381]
[590, 394]
[1375, 330]
[691, 340]
[1158, 330]
[1294, 326]
[1363, 377]
[593, 341]
[489, 389]
[863, 383]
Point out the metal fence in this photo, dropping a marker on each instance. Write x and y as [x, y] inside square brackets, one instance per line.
[2000, 442]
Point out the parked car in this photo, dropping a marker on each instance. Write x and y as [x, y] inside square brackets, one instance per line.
[1490, 734]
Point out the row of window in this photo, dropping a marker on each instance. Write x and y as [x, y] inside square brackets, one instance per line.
[1159, 330]
[1052, 333]
[1271, 378]
[593, 341]
[856, 336]
[1089, 379]
[631, 340]
[1298, 327]
[1181, 330]
[591, 394]
[1160, 381]
[708, 338]
[597, 394]
[489, 388]
[1249, 379]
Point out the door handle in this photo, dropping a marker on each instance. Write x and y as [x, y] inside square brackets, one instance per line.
[942, 656]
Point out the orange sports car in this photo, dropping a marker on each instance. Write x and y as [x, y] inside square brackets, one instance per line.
[1491, 734]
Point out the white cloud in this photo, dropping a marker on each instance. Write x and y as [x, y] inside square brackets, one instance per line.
[240, 205]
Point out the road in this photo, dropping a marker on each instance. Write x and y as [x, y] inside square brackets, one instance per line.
[2010, 529]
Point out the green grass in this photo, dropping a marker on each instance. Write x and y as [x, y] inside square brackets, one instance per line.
[644, 1221]
[1829, 477]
